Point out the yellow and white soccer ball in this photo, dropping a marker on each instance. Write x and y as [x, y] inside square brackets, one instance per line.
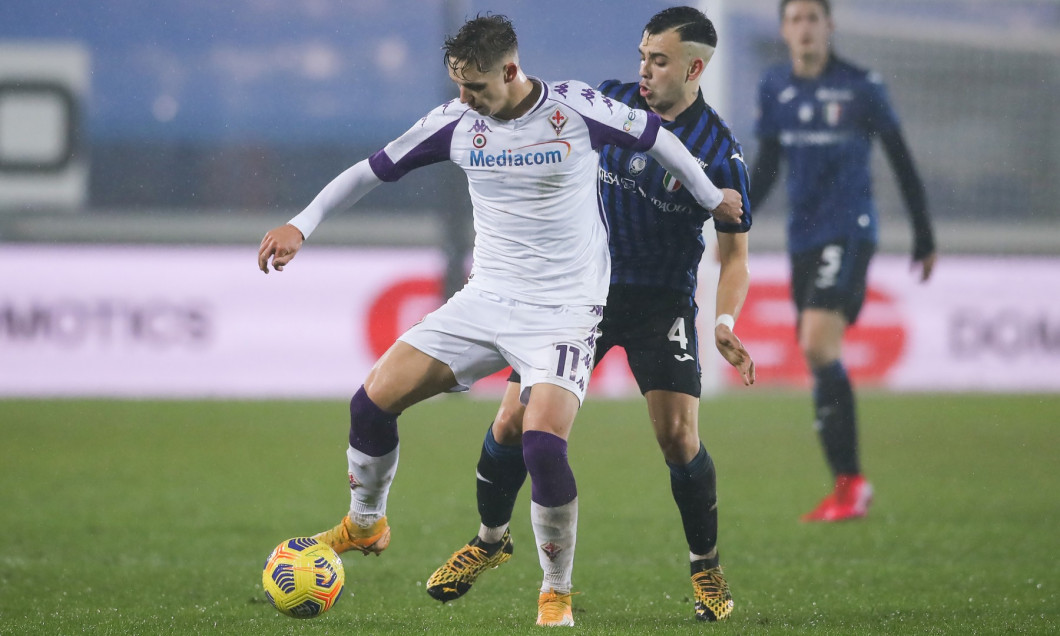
[303, 577]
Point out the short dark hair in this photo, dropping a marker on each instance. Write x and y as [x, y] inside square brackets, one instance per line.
[482, 41]
[825, 4]
[691, 25]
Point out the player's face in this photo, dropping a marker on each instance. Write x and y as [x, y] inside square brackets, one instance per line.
[663, 70]
[486, 93]
[806, 29]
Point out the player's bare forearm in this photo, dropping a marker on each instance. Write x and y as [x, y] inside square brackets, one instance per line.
[279, 244]
[734, 278]
[733, 283]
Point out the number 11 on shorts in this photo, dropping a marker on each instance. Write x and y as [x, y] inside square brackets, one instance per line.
[571, 362]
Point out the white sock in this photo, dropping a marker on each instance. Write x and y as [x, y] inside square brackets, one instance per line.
[491, 535]
[556, 532]
[370, 479]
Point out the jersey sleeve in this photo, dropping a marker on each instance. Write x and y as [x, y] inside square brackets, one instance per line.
[729, 171]
[766, 126]
[879, 114]
[609, 121]
[426, 142]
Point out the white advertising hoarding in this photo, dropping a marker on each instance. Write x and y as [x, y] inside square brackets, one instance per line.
[203, 321]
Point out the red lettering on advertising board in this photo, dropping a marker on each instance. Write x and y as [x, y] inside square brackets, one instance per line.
[389, 315]
[402, 304]
[871, 348]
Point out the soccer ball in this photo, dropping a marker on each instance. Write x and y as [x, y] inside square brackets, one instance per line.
[303, 577]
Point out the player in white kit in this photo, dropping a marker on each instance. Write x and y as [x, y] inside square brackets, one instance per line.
[538, 281]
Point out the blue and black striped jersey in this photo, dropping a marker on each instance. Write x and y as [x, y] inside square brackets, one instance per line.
[825, 127]
[656, 225]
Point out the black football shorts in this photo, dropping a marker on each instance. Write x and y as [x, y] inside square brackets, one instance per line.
[833, 276]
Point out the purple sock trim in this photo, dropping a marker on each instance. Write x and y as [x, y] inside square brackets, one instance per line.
[552, 481]
[373, 431]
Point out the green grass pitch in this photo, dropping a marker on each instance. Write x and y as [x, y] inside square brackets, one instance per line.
[150, 517]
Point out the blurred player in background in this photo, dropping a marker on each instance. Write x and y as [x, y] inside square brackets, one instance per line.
[656, 243]
[820, 114]
[537, 285]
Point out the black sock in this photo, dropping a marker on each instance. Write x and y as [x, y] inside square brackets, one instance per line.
[501, 473]
[695, 490]
[833, 400]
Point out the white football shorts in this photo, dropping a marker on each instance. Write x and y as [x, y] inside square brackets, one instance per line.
[478, 333]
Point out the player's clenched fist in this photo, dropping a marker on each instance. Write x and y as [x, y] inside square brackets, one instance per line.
[731, 208]
[280, 244]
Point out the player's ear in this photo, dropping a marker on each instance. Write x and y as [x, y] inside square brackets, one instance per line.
[695, 69]
[511, 71]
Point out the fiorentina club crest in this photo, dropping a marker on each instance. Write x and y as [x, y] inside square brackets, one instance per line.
[558, 121]
[353, 482]
[551, 550]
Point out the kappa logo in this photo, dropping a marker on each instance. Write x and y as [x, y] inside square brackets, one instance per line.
[551, 550]
[558, 121]
[589, 95]
[562, 89]
[480, 126]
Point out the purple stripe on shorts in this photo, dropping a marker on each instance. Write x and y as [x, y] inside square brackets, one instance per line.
[552, 481]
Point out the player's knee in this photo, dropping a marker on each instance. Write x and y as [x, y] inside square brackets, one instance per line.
[508, 424]
[678, 443]
[508, 428]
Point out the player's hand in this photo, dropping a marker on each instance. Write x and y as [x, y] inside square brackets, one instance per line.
[926, 265]
[280, 244]
[733, 350]
[731, 208]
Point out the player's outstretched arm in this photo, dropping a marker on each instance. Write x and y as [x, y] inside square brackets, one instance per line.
[725, 205]
[280, 244]
[733, 283]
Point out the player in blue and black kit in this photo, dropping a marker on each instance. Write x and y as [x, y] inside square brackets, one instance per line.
[820, 115]
[656, 243]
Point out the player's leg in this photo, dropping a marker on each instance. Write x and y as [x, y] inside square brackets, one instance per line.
[693, 484]
[553, 496]
[500, 474]
[401, 378]
[821, 333]
[440, 353]
[834, 282]
[657, 327]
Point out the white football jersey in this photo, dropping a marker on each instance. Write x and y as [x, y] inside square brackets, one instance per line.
[540, 230]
